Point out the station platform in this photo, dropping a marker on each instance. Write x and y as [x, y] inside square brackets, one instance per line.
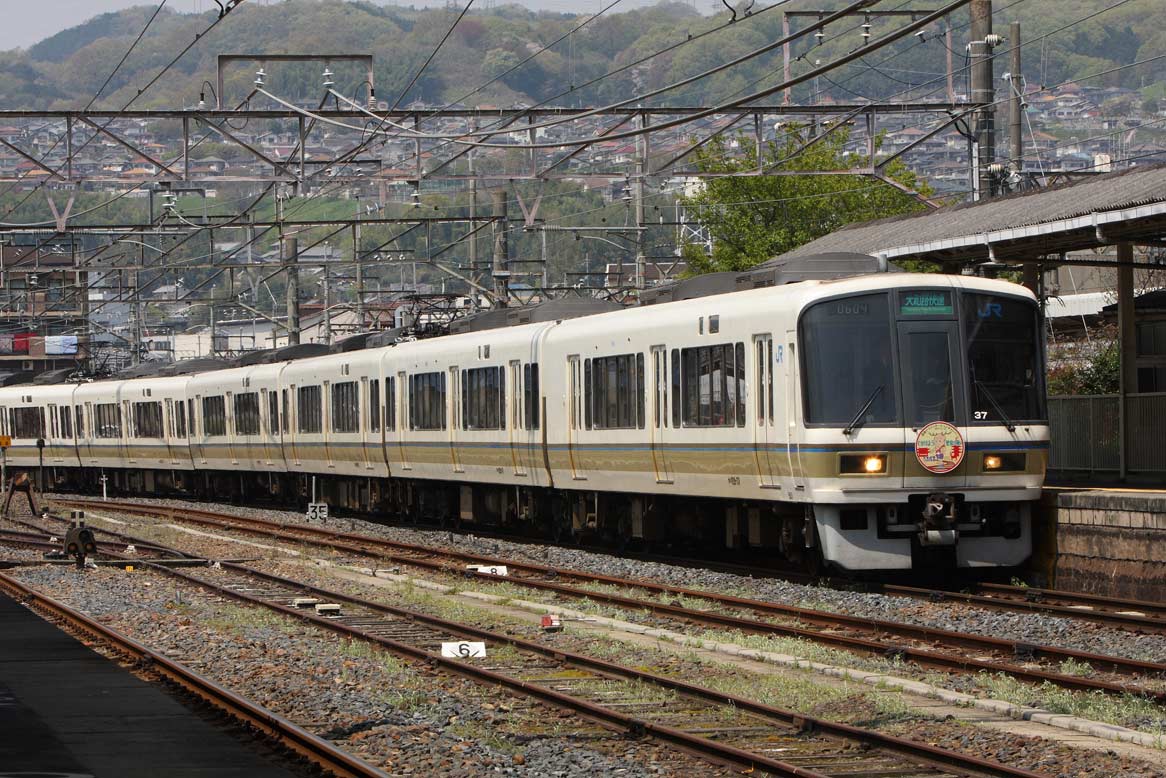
[1104, 541]
[66, 710]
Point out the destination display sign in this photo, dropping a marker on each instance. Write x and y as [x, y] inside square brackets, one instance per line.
[926, 302]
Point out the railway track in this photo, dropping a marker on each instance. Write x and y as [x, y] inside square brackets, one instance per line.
[722, 728]
[1132, 615]
[925, 646]
[270, 725]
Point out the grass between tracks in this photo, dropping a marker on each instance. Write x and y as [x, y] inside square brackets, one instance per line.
[1127, 710]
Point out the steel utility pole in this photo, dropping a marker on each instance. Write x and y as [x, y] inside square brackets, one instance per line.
[360, 313]
[500, 271]
[291, 248]
[983, 92]
[327, 297]
[638, 194]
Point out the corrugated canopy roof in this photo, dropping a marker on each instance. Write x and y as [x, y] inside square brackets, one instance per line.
[1098, 211]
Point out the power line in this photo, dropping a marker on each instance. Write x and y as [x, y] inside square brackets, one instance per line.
[432, 54]
[126, 56]
[226, 9]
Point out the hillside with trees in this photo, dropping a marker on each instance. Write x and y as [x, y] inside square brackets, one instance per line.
[492, 49]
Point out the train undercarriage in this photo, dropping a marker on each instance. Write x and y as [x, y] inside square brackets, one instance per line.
[778, 533]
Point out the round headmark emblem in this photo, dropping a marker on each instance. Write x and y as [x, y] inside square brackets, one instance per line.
[939, 447]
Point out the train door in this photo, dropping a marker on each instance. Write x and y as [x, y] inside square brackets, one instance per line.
[403, 392]
[269, 424]
[233, 443]
[54, 435]
[930, 387]
[128, 433]
[168, 429]
[765, 433]
[575, 416]
[660, 420]
[326, 423]
[516, 420]
[453, 413]
[85, 414]
[368, 445]
[292, 417]
[786, 355]
[197, 450]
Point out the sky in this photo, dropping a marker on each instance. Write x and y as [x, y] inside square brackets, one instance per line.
[26, 23]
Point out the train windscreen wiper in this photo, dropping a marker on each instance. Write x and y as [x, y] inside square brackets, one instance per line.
[1007, 421]
[860, 417]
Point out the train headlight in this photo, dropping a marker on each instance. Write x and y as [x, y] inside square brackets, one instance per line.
[1004, 463]
[863, 464]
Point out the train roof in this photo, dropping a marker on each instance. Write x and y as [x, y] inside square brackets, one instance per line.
[775, 272]
[558, 309]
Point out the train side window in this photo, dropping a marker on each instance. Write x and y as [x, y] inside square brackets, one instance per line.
[769, 376]
[147, 419]
[374, 405]
[641, 392]
[713, 385]
[308, 409]
[190, 417]
[107, 420]
[484, 398]
[677, 403]
[345, 407]
[79, 412]
[427, 399]
[283, 408]
[530, 396]
[390, 403]
[587, 399]
[615, 392]
[180, 418]
[66, 422]
[246, 413]
[739, 351]
[214, 416]
[273, 414]
[28, 423]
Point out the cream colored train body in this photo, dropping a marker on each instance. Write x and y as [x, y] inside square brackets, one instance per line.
[781, 418]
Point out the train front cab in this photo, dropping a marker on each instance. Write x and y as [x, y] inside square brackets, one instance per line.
[925, 432]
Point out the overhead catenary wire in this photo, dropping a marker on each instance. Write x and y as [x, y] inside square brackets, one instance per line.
[233, 4]
[494, 128]
[126, 56]
[701, 113]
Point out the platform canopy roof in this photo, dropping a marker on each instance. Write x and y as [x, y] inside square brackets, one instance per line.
[1103, 210]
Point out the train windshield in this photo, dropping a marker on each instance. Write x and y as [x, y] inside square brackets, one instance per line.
[964, 358]
[847, 347]
[1003, 341]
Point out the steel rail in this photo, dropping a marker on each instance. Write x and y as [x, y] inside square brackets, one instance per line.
[272, 725]
[1130, 615]
[1135, 615]
[1022, 597]
[428, 558]
[932, 756]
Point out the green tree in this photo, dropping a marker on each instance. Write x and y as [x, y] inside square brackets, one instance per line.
[1098, 371]
[754, 218]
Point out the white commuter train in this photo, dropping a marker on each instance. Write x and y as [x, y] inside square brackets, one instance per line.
[876, 422]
